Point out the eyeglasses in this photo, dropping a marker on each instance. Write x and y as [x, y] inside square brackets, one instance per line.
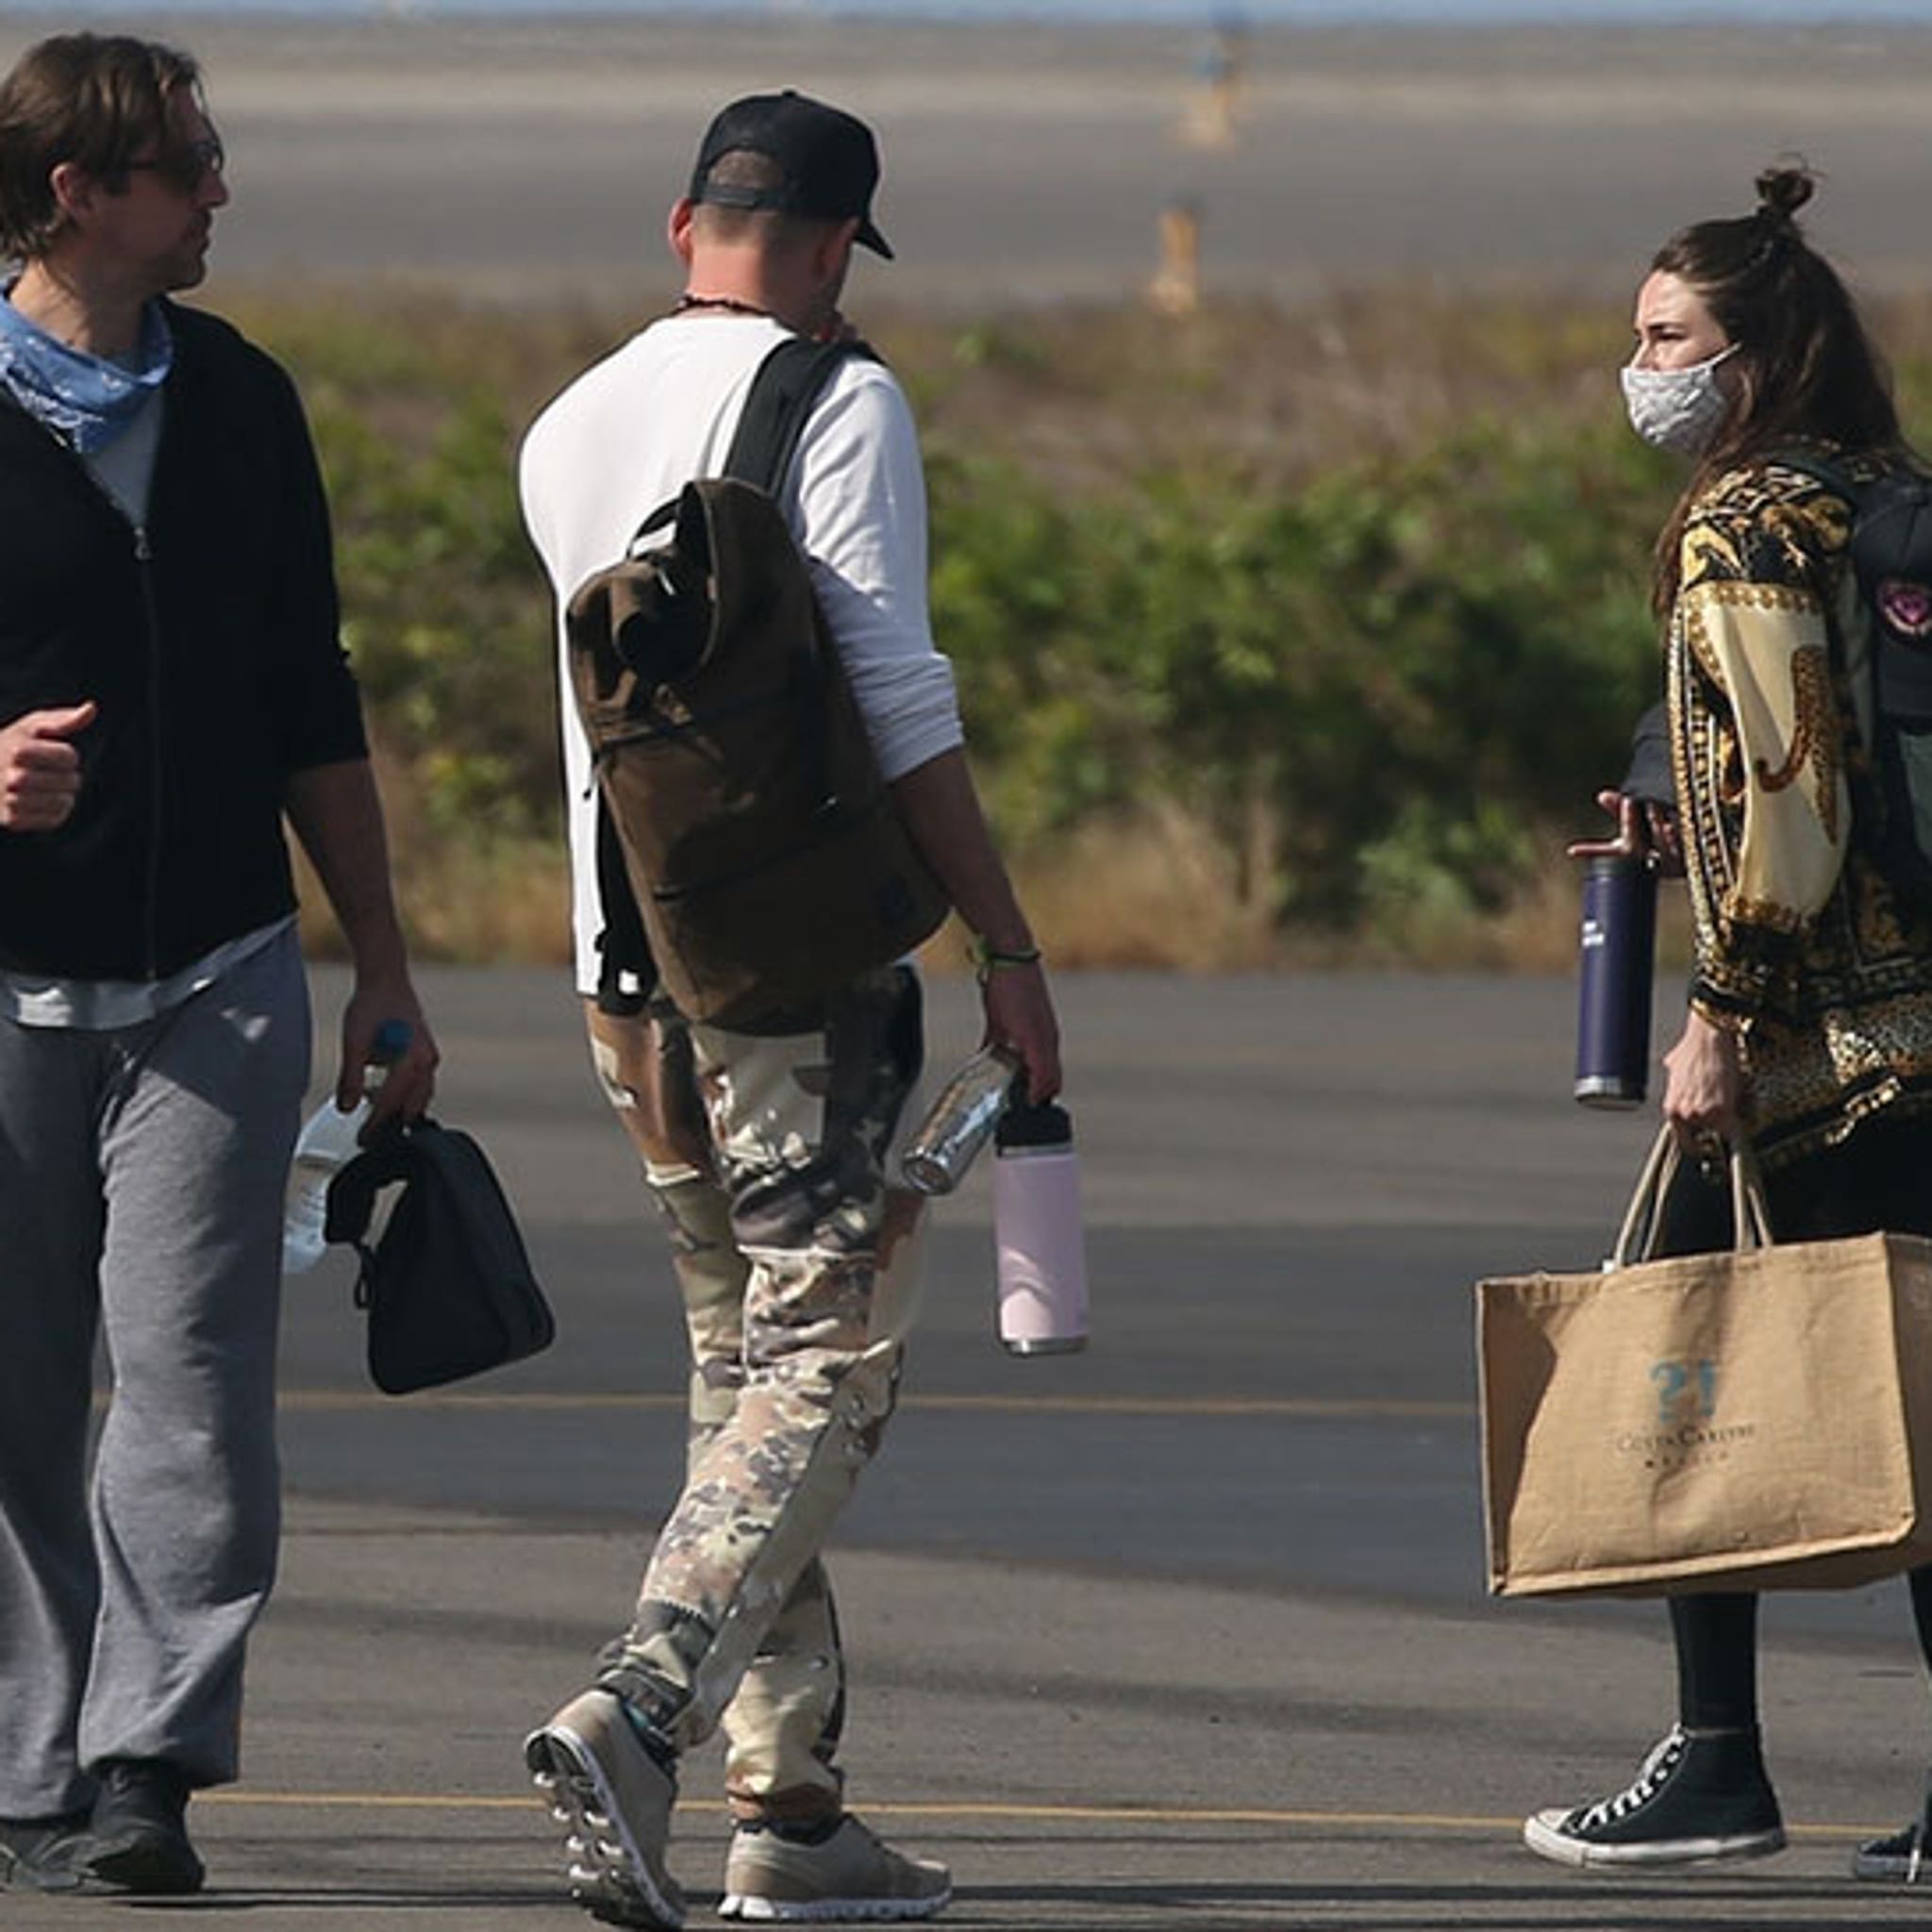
[187, 163]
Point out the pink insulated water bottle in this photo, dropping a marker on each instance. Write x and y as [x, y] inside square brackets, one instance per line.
[1037, 1227]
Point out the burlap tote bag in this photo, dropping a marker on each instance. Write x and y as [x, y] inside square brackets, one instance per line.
[1759, 1419]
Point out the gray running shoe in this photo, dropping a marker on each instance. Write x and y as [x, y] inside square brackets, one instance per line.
[44, 1853]
[850, 1876]
[614, 1801]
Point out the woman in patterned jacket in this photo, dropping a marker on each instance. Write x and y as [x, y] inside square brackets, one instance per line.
[1809, 1029]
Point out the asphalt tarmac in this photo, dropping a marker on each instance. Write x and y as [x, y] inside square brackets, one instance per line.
[1290, 1185]
[533, 159]
[1189, 1630]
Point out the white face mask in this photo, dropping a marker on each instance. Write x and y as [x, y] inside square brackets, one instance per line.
[1677, 409]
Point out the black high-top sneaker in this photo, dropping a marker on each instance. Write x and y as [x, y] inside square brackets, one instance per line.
[1903, 1857]
[1698, 1797]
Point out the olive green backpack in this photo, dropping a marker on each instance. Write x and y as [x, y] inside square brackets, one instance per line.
[751, 859]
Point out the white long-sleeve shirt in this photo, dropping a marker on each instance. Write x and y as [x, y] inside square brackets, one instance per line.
[634, 428]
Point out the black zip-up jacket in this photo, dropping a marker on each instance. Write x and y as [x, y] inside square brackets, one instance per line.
[209, 638]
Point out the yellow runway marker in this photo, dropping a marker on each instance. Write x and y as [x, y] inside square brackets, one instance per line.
[991, 1811]
[961, 1809]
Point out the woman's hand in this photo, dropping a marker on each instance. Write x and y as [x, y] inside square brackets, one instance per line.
[1705, 1091]
[1642, 828]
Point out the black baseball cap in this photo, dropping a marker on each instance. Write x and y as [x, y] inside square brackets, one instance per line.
[829, 159]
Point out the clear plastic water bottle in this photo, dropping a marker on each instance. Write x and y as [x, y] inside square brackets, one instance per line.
[961, 1124]
[328, 1143]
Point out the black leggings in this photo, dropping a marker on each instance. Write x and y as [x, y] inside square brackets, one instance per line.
[1880, 1178]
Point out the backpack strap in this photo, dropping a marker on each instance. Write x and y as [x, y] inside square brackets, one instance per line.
[1859, 498]
[625, 971]
[783, 393]
[1833, 474]
[788, 383]
[1889, 513]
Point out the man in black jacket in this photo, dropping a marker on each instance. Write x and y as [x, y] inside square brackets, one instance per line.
[170, 685]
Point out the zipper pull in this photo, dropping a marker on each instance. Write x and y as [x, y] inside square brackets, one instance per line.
[142, 552]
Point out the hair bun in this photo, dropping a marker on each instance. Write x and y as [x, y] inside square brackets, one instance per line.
[1784, 190]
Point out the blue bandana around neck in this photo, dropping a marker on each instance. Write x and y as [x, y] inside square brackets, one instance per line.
[84, 400]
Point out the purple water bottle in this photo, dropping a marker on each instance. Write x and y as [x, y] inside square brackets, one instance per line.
[1619, 947]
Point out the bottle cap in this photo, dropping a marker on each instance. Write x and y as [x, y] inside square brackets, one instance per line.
[1025, 1125]
[391, 1041]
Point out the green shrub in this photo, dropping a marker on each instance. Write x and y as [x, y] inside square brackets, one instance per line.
[1363, 595]
[1445, 641]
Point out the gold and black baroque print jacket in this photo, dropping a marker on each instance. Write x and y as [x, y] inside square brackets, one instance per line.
[1803, 947]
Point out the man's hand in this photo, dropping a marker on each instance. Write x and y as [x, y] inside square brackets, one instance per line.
[39, 767]
[1019, 1017]
[940, 808]
[410, 1082]
[1642, 829]
[338, 817]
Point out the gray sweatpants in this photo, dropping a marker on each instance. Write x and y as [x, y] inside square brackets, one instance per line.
[141, 1175]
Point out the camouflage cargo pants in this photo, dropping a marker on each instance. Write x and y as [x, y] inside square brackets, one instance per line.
[798, 1269]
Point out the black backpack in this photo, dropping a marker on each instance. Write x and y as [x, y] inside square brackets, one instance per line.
[1891, 554]
[750, 857]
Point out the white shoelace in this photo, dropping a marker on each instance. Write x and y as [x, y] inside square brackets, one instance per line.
[1651, 1776]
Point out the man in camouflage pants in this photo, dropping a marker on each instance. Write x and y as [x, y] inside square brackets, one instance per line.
[769, 1154]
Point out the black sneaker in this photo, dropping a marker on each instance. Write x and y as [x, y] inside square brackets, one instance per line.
[139, 1836]
[44, 1853]
[1904, 1858]
[1698, 1797]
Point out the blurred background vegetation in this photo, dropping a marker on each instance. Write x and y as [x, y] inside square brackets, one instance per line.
[1284, 635]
